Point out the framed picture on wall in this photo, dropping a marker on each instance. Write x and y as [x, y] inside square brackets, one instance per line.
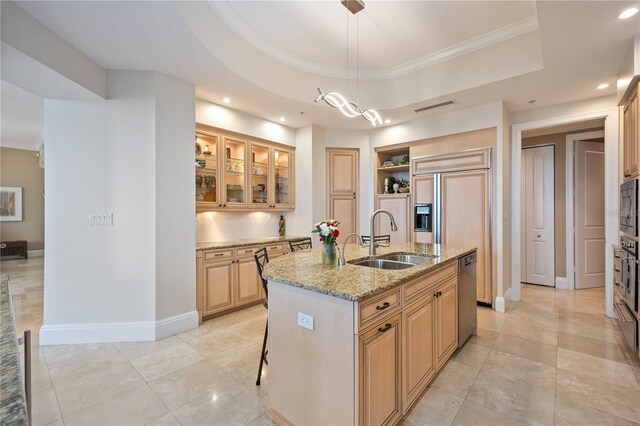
[10, 204]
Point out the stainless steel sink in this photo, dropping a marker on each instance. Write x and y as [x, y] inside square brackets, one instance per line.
[383, 264]
[407, 258]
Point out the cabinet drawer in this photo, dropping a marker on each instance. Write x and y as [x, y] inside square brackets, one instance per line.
[274, 248]
[246, 251]
[371, 310]
[414, 289]
[215, 255]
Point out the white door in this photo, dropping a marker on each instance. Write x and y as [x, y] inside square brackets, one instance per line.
[539, 240]
[589, 214]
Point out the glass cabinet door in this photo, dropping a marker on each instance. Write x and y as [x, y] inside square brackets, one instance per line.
[282, 175]
[259, 176]
[206, 169]
[235, 169]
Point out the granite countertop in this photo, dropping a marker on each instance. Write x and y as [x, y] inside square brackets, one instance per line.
[351, 282]
[210, 245]
[13, 409]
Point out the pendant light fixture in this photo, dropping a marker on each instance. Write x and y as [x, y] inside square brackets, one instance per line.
[336, 100]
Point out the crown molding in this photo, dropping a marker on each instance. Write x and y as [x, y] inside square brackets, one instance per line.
[251, 36]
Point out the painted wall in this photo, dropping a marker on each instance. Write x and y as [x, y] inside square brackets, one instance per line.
[19, 167]
[174, 192]
[216, 226]
[123, 156]
[558, 140]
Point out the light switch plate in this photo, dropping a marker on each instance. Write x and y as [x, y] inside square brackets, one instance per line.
[305, 321]
[100, 219]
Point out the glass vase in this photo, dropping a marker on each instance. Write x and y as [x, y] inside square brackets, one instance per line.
[329, 254]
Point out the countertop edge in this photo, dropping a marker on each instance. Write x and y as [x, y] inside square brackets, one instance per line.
[215, 245]
[13, 409]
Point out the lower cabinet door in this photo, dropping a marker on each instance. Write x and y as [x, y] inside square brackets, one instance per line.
[446, 321]
[418, 362]
[248, 282]
[380, 373]
[218, 286]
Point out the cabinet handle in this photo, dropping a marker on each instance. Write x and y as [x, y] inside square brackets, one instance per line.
[249, 251]
[384, 306]
[385, 328]
[219, 254]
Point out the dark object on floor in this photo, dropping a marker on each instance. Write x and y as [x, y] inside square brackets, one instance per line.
[13, 248]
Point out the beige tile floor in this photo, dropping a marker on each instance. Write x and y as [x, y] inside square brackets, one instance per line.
[553, 358]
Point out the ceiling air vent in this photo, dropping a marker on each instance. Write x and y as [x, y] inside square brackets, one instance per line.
[440, 105]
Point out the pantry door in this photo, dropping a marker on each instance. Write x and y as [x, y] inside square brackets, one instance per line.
[589, 214]
[539, 212]
[342, 189]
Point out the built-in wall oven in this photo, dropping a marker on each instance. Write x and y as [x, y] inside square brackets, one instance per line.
[626, 258]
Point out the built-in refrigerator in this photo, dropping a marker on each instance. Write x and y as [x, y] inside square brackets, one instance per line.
[453, 207]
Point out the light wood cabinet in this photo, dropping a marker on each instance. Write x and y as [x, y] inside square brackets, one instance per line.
[399, 340]
[227, 279]
[466, 220]
[271, 177]
[235, 172]
[631, 136]
[218, 286]
[446, 325]
[342, 188]
[418, 360]
[398, 205]
[248, 284]
[380, 394]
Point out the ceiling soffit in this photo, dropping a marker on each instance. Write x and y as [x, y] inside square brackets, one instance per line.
[231, 17]
[496, 58]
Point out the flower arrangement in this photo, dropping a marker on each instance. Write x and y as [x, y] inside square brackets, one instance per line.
[328, 231]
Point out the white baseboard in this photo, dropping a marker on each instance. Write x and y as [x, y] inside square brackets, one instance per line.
[176, 324]
[137, 331]
[562, 283]
[502, 303]
[35, 253]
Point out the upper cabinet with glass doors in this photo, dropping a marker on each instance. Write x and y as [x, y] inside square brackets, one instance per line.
[235, 173]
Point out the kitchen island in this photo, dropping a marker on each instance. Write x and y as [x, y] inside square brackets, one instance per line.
[368, 341]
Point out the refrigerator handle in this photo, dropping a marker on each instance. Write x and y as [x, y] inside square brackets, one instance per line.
[436, 210]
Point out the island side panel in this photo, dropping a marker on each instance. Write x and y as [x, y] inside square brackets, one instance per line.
[304, 364]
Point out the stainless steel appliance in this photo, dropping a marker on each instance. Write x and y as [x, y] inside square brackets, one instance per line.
[629, 208]
[467, 306]
[423, 220]
[625, 302]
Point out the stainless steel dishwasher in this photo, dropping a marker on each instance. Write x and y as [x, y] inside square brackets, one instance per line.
[467, 306]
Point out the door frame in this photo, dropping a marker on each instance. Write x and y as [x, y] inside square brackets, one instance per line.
[612, 179]
[544, 145]
[570, 207]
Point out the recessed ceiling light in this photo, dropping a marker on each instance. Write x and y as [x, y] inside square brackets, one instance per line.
[628, 13]
[387, 121]
[226, 100]
[602, 86]
[282, 119]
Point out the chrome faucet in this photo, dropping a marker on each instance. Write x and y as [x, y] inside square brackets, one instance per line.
[372, 241]
[341, 261]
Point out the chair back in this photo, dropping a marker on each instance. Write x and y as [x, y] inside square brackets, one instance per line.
[297, 245]
[377, 239]
[262, 258]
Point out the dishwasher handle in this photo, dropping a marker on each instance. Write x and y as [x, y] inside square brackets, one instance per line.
[470, 259]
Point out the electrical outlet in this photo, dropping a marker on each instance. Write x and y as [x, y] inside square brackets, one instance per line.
[305, 321]
[101, 219]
